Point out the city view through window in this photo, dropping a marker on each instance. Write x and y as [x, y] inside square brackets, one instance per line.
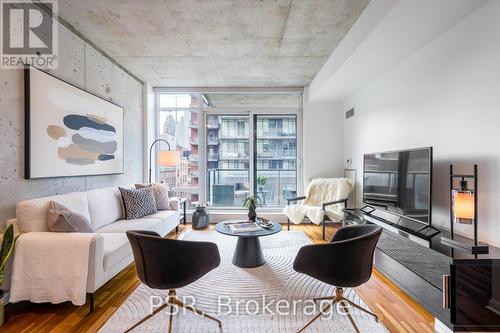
[227, 150]
[178, 124]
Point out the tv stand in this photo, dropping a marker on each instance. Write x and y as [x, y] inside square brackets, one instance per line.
[407, 227]
[404, 255]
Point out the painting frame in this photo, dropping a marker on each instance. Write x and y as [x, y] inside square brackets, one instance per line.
[99, 165]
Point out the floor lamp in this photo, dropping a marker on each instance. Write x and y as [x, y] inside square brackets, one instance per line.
[166, 158]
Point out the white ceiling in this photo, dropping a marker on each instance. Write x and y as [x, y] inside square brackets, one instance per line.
[222, 43]
[386, 34]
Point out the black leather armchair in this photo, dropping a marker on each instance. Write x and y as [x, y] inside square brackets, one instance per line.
[346, 261]
[170, 264]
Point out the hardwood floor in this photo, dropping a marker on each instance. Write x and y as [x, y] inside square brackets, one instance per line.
[398, 312]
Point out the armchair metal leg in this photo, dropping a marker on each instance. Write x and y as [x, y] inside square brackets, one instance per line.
[170, 319]
[321, 312]
[324, 226]
[197, 311]
[338, 298]
[147, 317]
[324, 298]
[352, 322]
[362, 309]
[174, 301]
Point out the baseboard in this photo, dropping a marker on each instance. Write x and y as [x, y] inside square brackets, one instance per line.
[439, 327]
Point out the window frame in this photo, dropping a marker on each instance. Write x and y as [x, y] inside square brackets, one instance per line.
[251, 112]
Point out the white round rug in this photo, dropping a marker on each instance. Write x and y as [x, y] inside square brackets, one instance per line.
[270, 298]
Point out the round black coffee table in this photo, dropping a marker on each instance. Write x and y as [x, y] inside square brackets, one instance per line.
[248, 252]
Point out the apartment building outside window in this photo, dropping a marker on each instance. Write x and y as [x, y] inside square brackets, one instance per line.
[233, 145]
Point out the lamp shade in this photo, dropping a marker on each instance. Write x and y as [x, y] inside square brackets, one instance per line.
[168, 158]
[463, 206]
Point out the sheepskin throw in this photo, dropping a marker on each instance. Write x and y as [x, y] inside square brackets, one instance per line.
[318, 191]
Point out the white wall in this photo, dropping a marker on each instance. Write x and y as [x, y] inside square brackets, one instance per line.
[322, 139]
[85, 67]
[387, 32]
[445, 95]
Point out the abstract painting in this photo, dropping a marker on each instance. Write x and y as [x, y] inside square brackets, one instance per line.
[69, 131]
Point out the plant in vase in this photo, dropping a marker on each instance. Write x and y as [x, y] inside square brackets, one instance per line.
[251, 204]
[5, 252]
[261, 181]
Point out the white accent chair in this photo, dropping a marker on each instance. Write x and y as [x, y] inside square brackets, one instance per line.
[323, 201]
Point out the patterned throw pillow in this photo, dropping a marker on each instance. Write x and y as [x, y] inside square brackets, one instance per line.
[138, 202]
[61, 219]
[160, 192]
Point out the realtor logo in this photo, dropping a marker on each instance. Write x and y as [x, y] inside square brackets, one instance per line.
[29, 34]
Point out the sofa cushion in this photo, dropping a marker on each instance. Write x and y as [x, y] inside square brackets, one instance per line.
[160, 192]
[116, 248]
[32, 214]
[138, 202]
[123, 226]
[170, 217]
[61, 219]
[105, 206]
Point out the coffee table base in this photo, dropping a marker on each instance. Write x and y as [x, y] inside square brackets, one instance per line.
[248, 253]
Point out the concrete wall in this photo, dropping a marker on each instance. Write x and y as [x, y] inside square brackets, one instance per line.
[148, 126]
[445, 95]
[83, 66]
[322, 139]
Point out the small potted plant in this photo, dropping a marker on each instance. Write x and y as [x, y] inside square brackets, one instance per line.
[251, 204]
[5, 252]
[261, 181]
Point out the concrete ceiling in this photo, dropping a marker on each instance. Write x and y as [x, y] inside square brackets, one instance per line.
[222, 43]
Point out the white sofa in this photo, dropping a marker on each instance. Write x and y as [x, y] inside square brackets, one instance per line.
[110, 251]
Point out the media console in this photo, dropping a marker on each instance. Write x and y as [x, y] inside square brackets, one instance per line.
[416, 262]
[415, 230]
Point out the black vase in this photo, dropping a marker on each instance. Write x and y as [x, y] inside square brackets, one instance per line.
[201, 218]
[252, 215]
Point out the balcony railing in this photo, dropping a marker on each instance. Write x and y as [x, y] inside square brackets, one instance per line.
[213, 157]
[275, 135]
[233, 136]
[213, 125]
[233, 156]
[193, 158]
[229, 187]
[193, 142]
[213, 142]
[272, 155]
[193, 124]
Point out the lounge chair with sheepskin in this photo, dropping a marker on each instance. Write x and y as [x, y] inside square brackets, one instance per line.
[324, 200]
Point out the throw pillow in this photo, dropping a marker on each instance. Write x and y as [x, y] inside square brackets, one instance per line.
[61, 219]
[138, 202]
[160, 191]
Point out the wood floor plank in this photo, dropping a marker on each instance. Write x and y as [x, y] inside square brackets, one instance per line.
[397, 311]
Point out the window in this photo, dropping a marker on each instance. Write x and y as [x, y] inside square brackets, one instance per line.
[178, 125]
[276, 170]
[228, 181]
[233, 145]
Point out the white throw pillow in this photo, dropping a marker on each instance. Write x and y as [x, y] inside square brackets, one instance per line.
[61, 219]
[160, 192]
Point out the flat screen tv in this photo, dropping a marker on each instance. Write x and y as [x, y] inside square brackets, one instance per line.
[400, 182]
